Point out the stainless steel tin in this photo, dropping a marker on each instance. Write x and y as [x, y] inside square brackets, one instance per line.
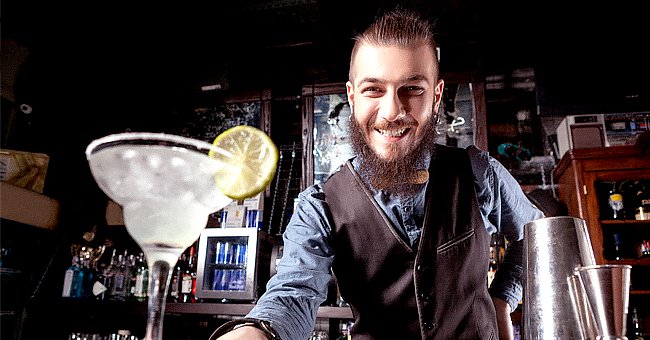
[554, 247]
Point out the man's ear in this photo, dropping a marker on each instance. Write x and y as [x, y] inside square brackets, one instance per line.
[437, 92]
[350, 91]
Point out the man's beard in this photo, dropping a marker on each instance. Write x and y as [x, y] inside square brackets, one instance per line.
[396, 176]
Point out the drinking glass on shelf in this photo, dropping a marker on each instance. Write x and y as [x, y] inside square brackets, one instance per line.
[166, 187]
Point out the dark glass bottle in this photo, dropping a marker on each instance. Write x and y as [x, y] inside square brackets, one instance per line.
[617, 252]
[73, 280]
[492, 270]
[140, 278]
[497, 248]
[638, 330]
[615, 202]
[497, 252]
[101, 285]
[88, 280]
[121, 289]
[188, 279]
[174, 285]
[642, 209]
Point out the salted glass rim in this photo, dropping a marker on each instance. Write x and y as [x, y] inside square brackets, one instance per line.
[150, 138]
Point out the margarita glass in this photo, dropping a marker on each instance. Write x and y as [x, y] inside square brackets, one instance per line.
[166, 187]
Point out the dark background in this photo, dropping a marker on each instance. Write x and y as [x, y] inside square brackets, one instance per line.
[135, 58]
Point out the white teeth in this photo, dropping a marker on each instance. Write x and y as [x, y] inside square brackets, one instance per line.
[392, 133]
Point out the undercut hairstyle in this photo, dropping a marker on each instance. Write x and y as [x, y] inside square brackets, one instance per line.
[399, 27]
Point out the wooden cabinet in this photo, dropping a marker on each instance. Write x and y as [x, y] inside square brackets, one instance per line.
[581, 175]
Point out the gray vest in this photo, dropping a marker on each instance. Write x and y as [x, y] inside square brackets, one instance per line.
[437, 291]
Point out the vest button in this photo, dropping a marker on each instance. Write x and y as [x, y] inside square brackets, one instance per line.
[424, 297]
[421, 268]
[428, 326]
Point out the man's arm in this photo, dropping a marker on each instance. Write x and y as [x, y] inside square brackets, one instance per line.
[506, 210]
[245, 329]
[504, 322]
[511, 211]
[290, 303]
[245, 332]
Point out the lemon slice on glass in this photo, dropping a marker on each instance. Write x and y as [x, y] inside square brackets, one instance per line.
[249, 159]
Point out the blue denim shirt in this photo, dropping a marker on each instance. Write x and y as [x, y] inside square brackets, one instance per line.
[294, 294]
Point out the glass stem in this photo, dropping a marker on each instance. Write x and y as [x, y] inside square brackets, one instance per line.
[158, 284]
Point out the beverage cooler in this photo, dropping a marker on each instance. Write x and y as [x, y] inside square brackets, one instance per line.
[233, 264]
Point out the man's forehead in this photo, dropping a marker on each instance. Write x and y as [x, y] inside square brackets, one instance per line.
[381, 62]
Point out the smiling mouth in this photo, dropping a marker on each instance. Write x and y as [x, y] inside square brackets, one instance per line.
[392, 133]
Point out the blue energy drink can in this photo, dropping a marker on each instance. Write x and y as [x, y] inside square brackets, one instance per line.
[242, 254]
[217, 279]
[220, 252]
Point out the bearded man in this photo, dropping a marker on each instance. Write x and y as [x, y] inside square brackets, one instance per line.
[405, 225]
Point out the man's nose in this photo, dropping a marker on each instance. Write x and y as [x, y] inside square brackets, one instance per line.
[392, 107]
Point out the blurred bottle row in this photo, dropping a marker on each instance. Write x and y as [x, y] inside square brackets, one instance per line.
[322, 332]
[119, 335]
[624, 200]
[497, 253]
[126, 278]
[625, 246]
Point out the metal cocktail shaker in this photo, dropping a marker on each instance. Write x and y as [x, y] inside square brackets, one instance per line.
[554, 247]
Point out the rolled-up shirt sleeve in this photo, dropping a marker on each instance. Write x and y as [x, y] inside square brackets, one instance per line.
[300, 285]
[505, 210]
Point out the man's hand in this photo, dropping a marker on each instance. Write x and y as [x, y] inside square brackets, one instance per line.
[244, 333]
[504, 323]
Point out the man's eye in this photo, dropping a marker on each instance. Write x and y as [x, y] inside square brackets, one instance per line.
[372, 91]
[414, 90]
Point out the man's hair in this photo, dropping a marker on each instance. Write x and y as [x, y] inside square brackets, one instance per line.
[398, 27]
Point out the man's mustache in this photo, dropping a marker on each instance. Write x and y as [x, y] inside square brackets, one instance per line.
[394, 125]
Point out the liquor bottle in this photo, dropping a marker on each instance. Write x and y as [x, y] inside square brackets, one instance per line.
[73, 280]
[492, 270]
[497, 252]
[497, 248]
[140, 278]
[88, 279]
[644, 249]
[129, 261]
[194, 274]
[188, 279]
[618, 247]
[174, 285]
[100, 286]
[615, 202]
[638, 330]
[642, 211]
[121, 280]
[344, 330]
[109, 271]
[130, 266]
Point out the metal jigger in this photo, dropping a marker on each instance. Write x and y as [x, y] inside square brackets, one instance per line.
[607, 289]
